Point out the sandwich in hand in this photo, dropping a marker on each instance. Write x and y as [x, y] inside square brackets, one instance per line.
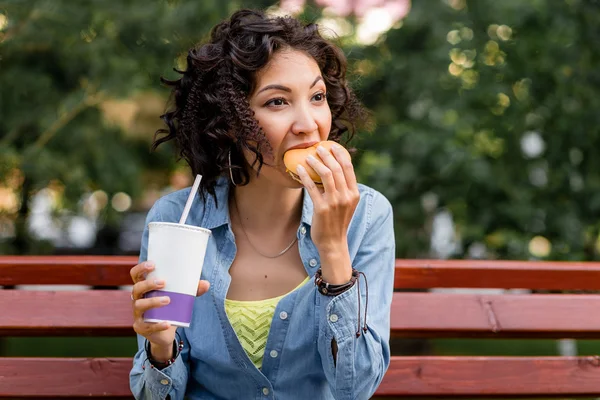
[293, 158]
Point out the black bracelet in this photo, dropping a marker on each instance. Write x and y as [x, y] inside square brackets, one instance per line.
[177, 347]
[334, 290]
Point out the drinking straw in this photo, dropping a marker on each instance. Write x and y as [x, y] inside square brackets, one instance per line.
[190, 200]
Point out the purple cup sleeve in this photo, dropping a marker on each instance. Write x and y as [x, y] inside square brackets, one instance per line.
[178, 310]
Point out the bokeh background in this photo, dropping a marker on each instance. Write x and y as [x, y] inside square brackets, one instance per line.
[486, 111]
[487, 123]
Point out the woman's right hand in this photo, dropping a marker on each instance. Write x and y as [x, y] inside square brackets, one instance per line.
[160, 335]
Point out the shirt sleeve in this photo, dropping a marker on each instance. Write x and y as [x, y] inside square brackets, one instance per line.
[151, 383]
[362, 361]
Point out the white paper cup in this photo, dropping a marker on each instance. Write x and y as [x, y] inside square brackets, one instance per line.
[177, 251]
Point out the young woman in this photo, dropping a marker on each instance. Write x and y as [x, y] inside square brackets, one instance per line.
[283, 308]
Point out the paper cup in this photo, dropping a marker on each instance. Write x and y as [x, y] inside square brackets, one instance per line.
[177, 251]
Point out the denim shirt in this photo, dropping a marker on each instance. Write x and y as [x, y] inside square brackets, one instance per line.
[298, 360]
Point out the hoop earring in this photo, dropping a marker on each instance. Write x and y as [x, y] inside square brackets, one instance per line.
[230, 172]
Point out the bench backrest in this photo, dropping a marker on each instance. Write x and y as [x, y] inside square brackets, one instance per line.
[414, 314]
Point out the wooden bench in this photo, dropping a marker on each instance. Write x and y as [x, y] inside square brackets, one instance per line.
[415, 314]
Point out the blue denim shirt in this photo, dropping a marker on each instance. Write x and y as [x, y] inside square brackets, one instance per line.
[298, 361]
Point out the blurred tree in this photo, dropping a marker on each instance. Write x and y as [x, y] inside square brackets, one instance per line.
[488, 110]
[65, 68]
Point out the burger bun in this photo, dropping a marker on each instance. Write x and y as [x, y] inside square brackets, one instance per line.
[293, 158]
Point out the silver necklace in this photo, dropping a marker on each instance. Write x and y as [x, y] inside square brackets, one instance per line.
[282, 252]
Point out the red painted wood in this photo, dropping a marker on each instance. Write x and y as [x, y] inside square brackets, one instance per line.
[425, 274]
[433, 314]
[431, 376]
[492, 376]
[65, 377]
[413, 274]
[65, 313]
[495, 316]
[108, 312]
[66, 270]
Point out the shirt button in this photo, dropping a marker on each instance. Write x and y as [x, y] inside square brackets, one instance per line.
[333, 317]
[273, 353]
[283, 315]
[312, 262]
[303, 231]
[164, 381]
[266, 391]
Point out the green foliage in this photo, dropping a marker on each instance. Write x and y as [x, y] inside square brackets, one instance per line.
[61, 62]
[454, 91]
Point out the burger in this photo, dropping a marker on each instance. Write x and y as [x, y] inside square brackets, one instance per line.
[293, 158]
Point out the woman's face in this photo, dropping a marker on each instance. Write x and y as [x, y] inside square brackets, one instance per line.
[291, 107]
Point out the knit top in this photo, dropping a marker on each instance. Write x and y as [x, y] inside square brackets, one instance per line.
[251, 321]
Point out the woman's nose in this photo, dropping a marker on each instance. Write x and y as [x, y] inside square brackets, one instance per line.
[304, 122]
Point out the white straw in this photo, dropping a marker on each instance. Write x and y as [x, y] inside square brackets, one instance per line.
[190, 199]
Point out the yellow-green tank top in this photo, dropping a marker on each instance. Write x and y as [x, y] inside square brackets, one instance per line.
[251, 321]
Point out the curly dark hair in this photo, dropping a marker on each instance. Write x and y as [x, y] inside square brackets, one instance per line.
[211, 114]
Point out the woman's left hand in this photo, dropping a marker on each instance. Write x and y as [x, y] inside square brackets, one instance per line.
[334, 205]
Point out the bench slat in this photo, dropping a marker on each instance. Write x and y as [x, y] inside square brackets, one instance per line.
[65, 313]
[108, 313]
[65, 377]
[550, 275]
[407, 376]
[410, 274]
[495, 316]
[486, 376]
[66, 270]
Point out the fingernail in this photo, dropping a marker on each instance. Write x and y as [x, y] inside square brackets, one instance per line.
[311, 158]
[159, 282]
[300, 168]
[321, 149]
[165, 299]
[149, 264]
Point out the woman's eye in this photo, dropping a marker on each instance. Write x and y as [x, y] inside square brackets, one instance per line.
[276, 102]
[320, 97]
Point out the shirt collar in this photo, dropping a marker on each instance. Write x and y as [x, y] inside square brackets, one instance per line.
[307, 208]
[217, 216]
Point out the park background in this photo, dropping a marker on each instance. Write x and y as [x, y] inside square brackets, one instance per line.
[487, 122]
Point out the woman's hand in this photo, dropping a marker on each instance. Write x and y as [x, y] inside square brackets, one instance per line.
[334, 206]
[160, 335]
